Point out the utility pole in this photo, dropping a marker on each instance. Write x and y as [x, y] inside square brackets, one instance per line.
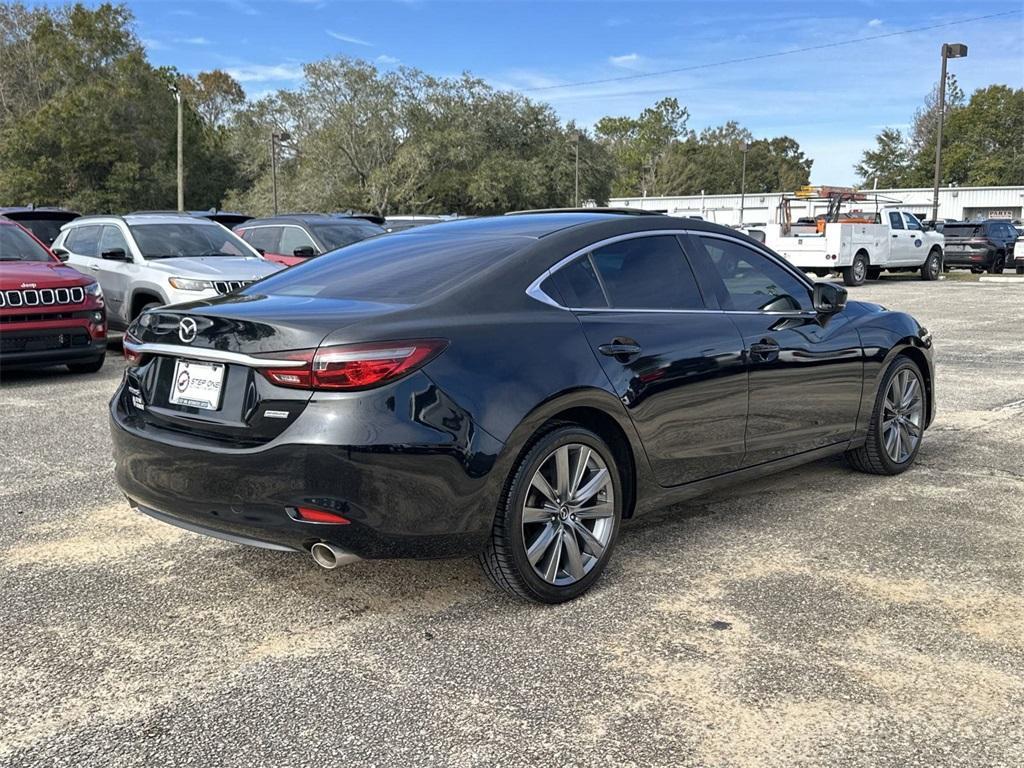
[576, 145]
[744, 147]
[181, 154]
[275, 137]
[949, 51]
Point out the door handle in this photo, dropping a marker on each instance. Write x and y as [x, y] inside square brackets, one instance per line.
[620, 348]
[94, 267]
[895, 235]
[764, 351]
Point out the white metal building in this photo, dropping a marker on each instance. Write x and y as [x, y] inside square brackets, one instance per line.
[758, 208]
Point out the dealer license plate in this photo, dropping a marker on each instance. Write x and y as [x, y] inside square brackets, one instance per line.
[197, 385]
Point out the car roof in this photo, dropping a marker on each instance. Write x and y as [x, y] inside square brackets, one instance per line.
[169, 217]
[308, 218]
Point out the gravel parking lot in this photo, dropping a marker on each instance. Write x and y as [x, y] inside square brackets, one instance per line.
[822, 617]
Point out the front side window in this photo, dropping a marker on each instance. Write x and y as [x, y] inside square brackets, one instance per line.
[912, 222]
[752, 281]
[647, 273]
[293, 238]
[111, 239]
[895, 220]
[170, 240]
[18, 245]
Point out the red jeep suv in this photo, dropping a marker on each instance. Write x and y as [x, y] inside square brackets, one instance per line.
[50, 314]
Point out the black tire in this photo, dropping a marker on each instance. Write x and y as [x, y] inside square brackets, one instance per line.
[872, 457]
[1020, 270]
[504, 559]
[90, 367]
[856, 273]
[932, 267]
[147, 307]
[874, 273]
[998, 263]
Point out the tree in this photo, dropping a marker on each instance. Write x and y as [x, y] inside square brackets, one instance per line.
[984, 141]
[215, 96]
[888, 164]
[639, 144]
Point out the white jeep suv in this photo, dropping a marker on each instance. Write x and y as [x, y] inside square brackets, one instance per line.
[145, 260]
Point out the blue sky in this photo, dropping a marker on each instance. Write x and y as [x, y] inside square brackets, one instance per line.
[832, 101]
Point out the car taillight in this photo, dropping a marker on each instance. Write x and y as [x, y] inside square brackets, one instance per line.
[353, 366]
[131, 355]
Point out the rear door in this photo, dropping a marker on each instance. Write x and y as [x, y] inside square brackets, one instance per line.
[805, 371]
[83, 247]
[675, 362]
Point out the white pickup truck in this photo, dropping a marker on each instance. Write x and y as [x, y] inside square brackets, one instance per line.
[896, 242]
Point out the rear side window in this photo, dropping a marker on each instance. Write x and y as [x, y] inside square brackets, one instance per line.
[578, 285]
[263, 238]
[752, 281]
[895, 220]
[84, 241]
[647, 273]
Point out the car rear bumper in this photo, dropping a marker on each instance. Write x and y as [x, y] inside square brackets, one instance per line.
[427, 499]
[968, 258]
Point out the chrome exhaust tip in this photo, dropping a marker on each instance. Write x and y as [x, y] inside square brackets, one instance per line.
[329, 556]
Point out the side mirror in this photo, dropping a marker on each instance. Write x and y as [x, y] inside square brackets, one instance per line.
[305, 252]
[61, 253]
[261, 251]
[116, 254]
[829, 298]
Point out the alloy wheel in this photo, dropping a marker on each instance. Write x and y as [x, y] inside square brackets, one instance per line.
[903, 415]
[860, 270]
[568, 514]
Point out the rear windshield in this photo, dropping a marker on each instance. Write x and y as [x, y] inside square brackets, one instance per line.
[401, 269]
[166, 241]
[964, 230]
[43, 228]
[337, 235]
[18, 245]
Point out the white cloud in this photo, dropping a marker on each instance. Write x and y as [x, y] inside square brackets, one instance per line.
[192, 40]
[875, 23]
[152, 44]
[262, 73]
[386, 60]
[627, 61]
[347, 38]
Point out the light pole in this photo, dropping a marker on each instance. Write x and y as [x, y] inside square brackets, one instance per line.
[576, 145]
[744, 148]
[181, 157]
[949, 51]
[275, 137]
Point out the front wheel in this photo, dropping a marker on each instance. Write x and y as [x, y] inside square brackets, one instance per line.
[558, 521]
[897, 422]
[857, 272]
[932, 267]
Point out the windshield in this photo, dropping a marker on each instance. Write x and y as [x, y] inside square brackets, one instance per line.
[46, 229]
[336, 235]
[170, 240]
[18, 245]
[401, 269]
[963, 230]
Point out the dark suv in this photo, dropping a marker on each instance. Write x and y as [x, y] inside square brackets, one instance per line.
[980, 245]
[44, 223]
[292, 238]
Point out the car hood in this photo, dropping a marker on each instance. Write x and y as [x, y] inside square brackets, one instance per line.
[216, 267]
[39, 274]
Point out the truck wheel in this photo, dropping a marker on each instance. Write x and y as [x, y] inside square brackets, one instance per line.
[932, 267]
[856, 273]
[997, 265]
[874, 273]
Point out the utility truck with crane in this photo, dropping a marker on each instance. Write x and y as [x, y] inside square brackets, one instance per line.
[856, 243]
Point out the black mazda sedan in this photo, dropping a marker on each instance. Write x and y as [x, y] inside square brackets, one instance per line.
[512, 387]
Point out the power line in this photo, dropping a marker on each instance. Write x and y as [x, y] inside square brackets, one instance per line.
[762, 56]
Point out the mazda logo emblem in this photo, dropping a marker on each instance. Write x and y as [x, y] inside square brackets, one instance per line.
[187, 329]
